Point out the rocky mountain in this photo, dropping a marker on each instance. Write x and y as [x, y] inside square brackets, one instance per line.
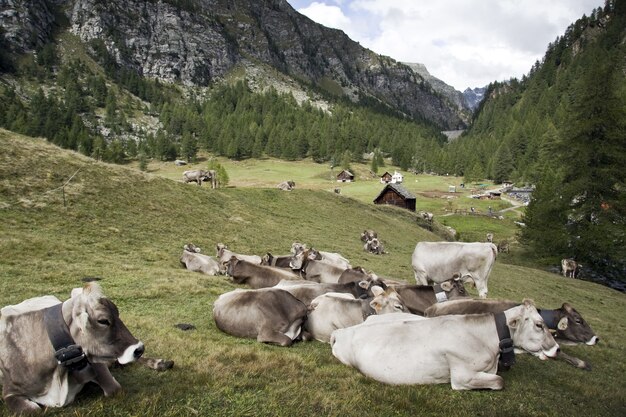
[450, 93]
[200, 42]
[473, 96]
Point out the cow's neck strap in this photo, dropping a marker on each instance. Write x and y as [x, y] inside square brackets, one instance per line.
[550, 318]
[440, 293]
[67, 353]
[507, 352]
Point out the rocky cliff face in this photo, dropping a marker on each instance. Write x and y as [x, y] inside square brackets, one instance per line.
[473, 96]
[197, 42]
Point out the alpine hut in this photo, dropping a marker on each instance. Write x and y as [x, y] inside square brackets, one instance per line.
[397, 195]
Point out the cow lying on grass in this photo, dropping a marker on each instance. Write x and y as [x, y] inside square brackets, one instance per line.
[462, 350]
[49, 350]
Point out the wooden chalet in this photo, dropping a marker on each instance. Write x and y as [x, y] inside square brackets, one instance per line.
[385, 178]
[397, 195]
[345, 176]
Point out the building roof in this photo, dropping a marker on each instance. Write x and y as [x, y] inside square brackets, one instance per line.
[403, 192]
[347, 172]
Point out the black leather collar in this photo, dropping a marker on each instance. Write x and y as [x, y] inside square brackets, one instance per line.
[67, 353]
[507, 352]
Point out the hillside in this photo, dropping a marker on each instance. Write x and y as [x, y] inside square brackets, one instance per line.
[128, 228]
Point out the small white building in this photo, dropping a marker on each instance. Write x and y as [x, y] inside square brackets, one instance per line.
[396, 178]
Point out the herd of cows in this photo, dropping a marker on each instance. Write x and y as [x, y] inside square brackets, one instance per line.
[392, 331]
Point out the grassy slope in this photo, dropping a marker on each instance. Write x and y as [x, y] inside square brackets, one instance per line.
[129, 228]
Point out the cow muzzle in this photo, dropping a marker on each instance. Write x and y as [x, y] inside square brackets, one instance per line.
[593, 341]
[550, 353]
[131, 354]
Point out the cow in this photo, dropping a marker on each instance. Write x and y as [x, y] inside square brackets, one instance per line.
[333, 311]
[417, 298]
[569, 268]
[314, 270]
[197, 262]
[368, 235]
[328, 257]
[196, 176]
[306, 291]
[374, 246]
[566, 323]
[286, 185]
[438, 261]
[223, 255]
[503, 246]
[50, 349]
[269, 315]
[357, 273]
[256, 276]
[490, 237]
[427, 216]
[277, 261]
[462, 350]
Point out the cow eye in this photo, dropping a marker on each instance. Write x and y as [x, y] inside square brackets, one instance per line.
[104, 322]
[539, 326]
[399, 307]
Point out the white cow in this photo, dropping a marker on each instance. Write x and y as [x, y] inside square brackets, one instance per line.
[332, 258]
[438, 261]
[332, 311]
[462, 350]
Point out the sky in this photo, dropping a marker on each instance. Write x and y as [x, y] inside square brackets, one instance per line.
[465, 43]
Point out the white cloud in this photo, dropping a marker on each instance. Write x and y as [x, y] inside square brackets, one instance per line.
[464, 43]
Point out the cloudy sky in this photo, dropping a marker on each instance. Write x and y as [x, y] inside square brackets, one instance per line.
[466, 43]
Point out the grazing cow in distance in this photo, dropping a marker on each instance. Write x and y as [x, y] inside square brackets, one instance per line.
[368, 235]
[490, 237]
[269, 315]
[462, 350]
[569, 267]
[438, 261]
[197, 262]
[286, 185]
[196, 176]
[503, 246]
[332, 311]
[427, 216]
[223, 255]
[50, 349]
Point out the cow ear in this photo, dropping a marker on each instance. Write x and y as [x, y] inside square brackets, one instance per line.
[567, 307]
[446, 286]
[76, 292]
[513, 323]
[376, 290]
[375, 305]
[562, 324]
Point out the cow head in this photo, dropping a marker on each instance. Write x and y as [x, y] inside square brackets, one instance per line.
[386, 301]
[220, 249]
[230, 265]
[529, 332]
[96, 326]
[573, 327]
[300, 260]
[297, 247]
[190, 247]
[454, 288]
[267, 259]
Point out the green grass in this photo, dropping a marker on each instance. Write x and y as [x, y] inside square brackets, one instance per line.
[129, 228]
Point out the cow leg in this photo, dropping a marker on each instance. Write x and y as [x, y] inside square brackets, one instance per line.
[574, 361]
[462, 379]
[19, 404]
[272, 336]
[106, 381]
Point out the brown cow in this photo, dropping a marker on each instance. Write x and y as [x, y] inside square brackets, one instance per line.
[256, 276]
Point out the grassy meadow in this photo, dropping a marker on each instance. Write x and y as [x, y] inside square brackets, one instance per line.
[129, 227]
